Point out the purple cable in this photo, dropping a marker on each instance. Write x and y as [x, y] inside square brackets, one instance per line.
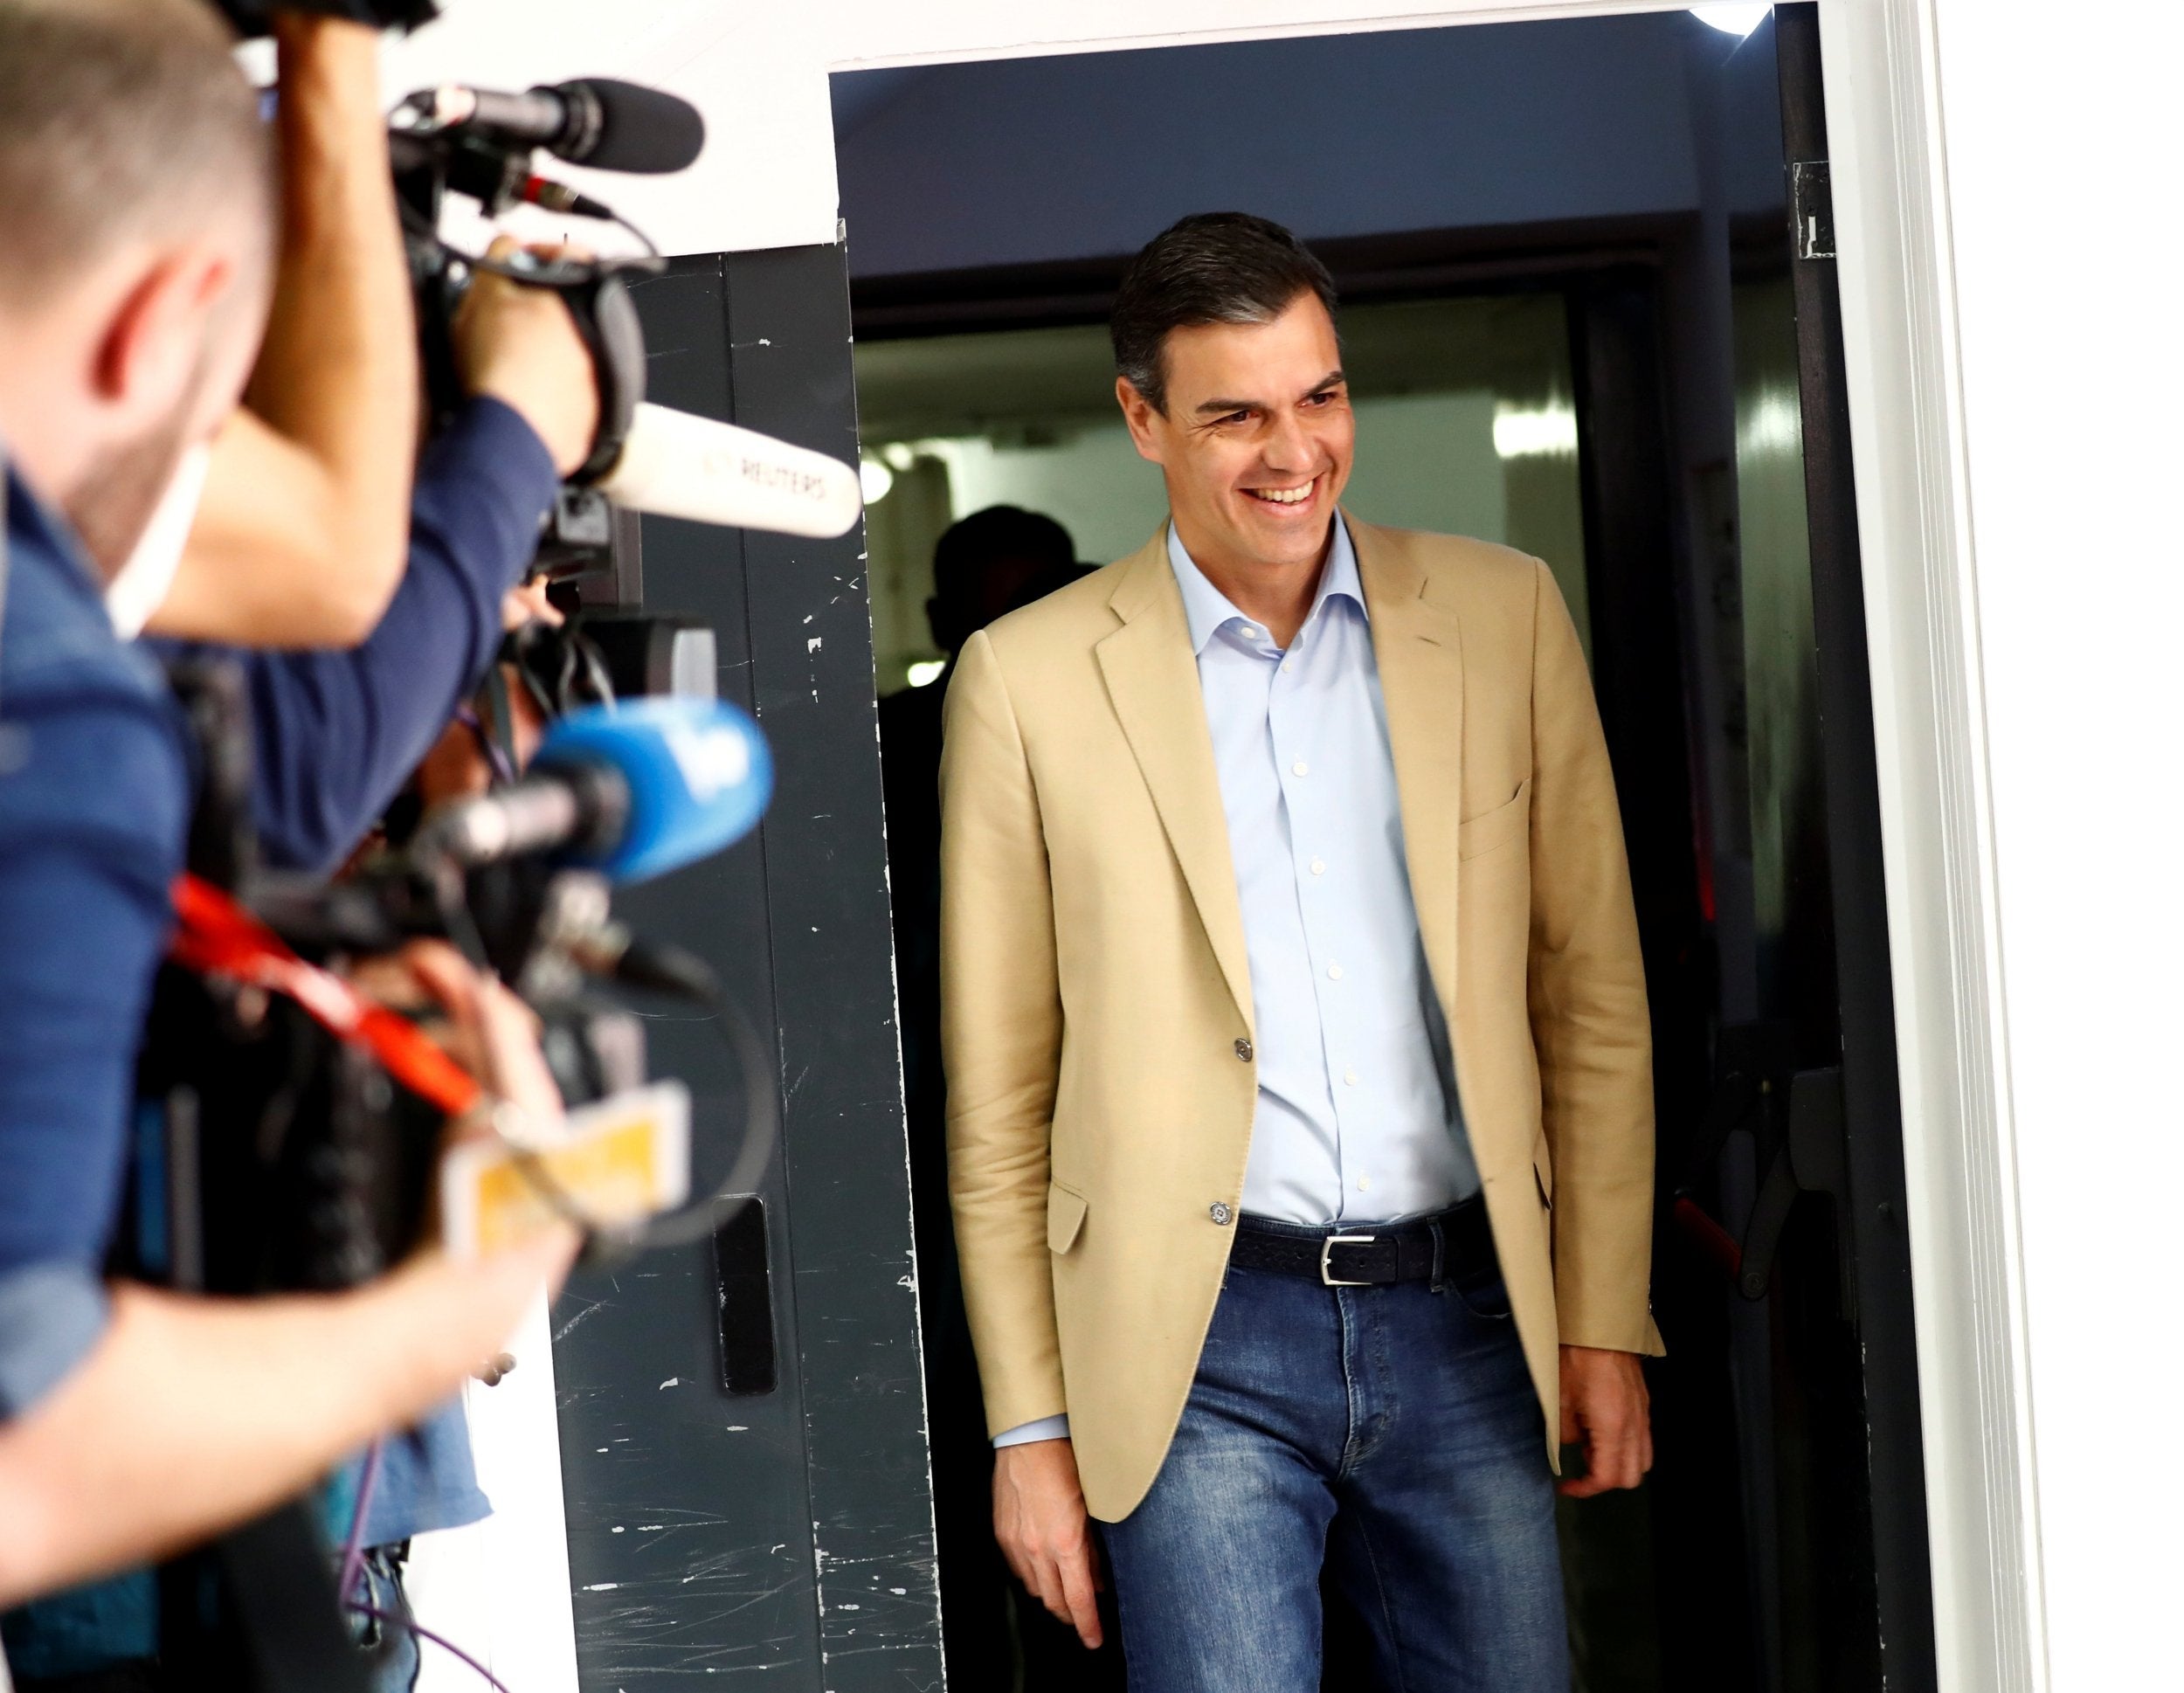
[353, 1553]
[495, 754]
[440, 1641]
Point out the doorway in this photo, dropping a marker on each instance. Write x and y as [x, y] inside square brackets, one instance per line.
[1577, 323]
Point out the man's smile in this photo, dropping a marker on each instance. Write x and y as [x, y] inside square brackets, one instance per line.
[1295, 495]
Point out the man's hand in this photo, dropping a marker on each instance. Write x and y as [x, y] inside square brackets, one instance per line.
[1605, 1410]
[1039, 1519]
[519, 345]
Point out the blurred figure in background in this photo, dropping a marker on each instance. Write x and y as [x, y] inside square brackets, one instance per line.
[986, 565]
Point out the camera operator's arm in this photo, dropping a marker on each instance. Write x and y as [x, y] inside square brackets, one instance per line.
[337, 733]
[299, 540]
[190, 1414]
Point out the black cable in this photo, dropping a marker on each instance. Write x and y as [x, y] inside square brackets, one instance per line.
[695, 1219]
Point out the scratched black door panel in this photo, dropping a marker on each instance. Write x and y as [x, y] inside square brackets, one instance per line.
[742, 1422]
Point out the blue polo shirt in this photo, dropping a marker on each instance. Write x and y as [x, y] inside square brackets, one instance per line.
[94, 799]
[95, 786]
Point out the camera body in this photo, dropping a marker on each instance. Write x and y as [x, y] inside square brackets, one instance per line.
[271, 1153]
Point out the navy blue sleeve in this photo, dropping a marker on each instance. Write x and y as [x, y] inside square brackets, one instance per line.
[92, 805]
[338, 733]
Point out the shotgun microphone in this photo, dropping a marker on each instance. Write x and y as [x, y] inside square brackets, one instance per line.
[594, 120]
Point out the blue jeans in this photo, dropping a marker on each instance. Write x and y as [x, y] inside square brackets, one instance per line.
[397, 1652]
[1391, 1434]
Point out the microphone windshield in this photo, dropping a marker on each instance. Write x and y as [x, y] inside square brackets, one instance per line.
[675, 465]
[642, 131]
[698, 772]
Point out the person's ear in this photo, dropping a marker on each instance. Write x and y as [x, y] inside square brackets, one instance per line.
[1142, 417]
[157, 337]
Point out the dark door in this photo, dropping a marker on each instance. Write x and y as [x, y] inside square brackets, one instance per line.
[1787, 1518]
[1865, 1125]
[741, 1420]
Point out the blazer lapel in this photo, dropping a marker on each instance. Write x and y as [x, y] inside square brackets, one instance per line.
[1152, 678]
[1417, 646]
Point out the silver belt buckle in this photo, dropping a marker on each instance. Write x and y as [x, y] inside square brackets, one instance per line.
[1327, 1277]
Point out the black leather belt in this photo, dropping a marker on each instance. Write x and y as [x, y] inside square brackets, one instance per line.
[1455, 1245]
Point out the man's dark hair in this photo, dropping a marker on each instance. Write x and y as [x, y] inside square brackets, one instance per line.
[117, 118]
[973, 545]
[985, 565]
[1211, 267]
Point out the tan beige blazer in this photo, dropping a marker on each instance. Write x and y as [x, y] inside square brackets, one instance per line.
[1097, 1002]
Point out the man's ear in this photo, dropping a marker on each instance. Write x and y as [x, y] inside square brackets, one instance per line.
[157, 337]
[1139, 414]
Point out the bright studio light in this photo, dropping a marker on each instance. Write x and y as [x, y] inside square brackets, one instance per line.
[1731, 19]
[926, 671]
[1532, 432]
[875, 478]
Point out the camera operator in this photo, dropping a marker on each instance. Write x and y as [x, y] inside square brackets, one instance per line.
[336, 733]
[137, 193]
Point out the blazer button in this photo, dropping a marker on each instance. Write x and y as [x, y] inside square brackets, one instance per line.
[1243, 1050]
[1220, 1214]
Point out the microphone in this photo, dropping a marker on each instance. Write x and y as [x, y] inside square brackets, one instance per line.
[595, 121]
[674, 465]
[632, 791]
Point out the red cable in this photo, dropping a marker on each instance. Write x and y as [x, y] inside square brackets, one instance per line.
[216, 937]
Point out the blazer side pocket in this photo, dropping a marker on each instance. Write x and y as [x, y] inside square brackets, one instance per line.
[1065, 1217]
[1509, 821]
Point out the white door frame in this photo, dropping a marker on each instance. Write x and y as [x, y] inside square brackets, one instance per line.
[1922, 632]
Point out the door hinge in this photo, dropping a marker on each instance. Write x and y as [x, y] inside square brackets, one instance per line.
[1812, 209]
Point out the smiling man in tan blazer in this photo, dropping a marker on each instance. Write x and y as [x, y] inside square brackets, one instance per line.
[1299, 1082]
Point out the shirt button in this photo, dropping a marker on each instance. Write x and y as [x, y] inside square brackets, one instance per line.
[1334, 972]
[1300, 768]
[1220, 1214]
[1249, 633]
[1287, 664]
[1243, 1051]
[1365, 1184]
[1349, 1078]
[1319, 867]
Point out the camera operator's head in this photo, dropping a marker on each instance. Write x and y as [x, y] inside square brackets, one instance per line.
[136, 196]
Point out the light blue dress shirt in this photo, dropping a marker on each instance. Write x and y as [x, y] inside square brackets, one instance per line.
[1357, 1118]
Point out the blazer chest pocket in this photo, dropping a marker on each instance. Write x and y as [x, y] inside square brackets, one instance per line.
[1065, 1217]
[1511, 820]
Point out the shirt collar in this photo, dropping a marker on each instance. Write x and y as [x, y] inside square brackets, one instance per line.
[1205, 608]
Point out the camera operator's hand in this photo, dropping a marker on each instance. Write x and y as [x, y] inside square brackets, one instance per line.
[489, 1032]
[520, 345]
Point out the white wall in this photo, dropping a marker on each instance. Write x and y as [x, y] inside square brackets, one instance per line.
[2053, 149]
[758, 72]
[2060, 121]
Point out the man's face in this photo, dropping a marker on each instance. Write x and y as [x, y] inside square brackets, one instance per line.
[1257, 440]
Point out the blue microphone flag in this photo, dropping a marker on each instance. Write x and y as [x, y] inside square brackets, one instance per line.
[698, 772]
